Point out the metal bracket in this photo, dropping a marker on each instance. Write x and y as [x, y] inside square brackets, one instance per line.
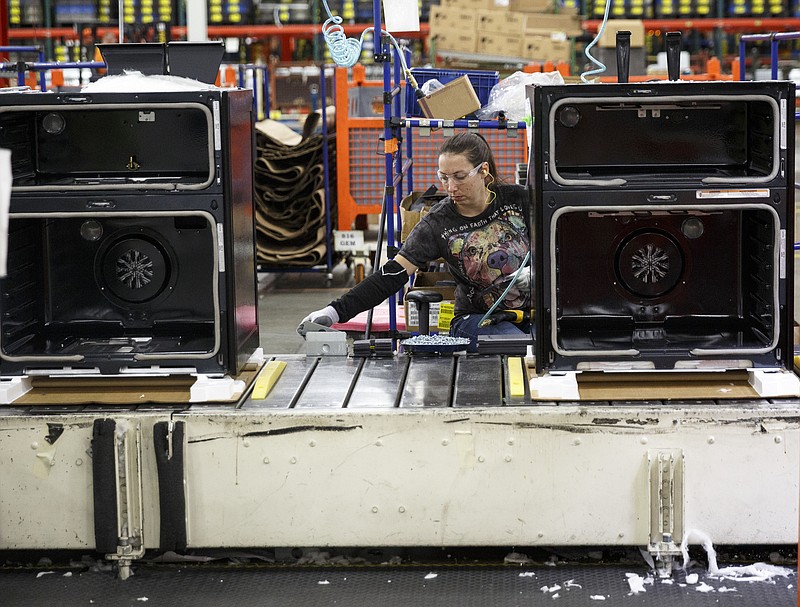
[130, 529]
[666, 480]
[448, 128]
[307, 327]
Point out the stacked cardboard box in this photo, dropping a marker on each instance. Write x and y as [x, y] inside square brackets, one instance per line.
[526, 29]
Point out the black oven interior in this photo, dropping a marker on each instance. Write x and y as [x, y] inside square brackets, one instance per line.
[127, 144]
[109, 286]
[665, 282]
[675, 137]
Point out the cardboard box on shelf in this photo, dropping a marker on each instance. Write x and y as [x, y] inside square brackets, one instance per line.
[530, 6]
[468, 5]
[460, 41]
[569, 24]
[502, 21]
[542, 45]
[609, 37]
[449, 19]
[503, 45]
[440, 282]
[456, 99]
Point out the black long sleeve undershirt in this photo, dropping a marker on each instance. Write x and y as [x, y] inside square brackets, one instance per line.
[371, 291]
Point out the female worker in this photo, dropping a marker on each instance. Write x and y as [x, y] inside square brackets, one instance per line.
[480, 230]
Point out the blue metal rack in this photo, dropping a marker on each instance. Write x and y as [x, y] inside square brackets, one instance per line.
[397, 169]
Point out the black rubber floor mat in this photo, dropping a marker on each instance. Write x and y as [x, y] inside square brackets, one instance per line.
[447, 586]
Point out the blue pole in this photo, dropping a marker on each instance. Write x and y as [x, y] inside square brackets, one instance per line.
[398, 163]
[380, 49]
[774, 57]
[42, 76]
[325, 173]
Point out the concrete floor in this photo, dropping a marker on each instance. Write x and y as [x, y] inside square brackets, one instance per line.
[286, 297]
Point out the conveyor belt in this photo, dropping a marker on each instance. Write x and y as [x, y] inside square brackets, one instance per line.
[379, 382]
[429, 382]
[330, 383]
[479, 382]
[413, 381]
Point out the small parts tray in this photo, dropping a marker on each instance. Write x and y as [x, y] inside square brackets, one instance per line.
[434, 344]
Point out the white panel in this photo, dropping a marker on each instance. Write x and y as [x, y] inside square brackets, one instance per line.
[502, 476]
[544, 475]
[46, 491]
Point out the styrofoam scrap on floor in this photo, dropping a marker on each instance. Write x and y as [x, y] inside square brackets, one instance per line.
[556, 595]
[597, 597]
[726, 589]
[635, 583]
[528, 574]
[41, 573]
[431, 575]
[703, 587]
[571, 584]
[757, 572]
[553, 588]
[323, 582]
[667, 581]
[691, 578]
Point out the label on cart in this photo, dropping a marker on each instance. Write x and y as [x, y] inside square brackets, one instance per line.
[350, 240]
[447, 312]
[741, 193]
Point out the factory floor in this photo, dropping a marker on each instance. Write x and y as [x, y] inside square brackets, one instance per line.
[480, 577]
[570, 578]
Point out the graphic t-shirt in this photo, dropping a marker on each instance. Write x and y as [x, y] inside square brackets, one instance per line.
[481, 251]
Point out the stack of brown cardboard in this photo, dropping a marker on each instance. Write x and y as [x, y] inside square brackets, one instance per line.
[526, 29]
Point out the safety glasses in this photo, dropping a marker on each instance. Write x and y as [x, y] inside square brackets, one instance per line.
[459, 177]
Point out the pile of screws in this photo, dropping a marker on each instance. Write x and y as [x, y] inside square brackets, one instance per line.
[435, 340]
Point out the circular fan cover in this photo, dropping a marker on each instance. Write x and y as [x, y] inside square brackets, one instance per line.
[649, 264]
[135, 269]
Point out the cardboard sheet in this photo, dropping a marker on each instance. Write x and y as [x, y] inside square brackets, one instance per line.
[661, 386]
[120, 390]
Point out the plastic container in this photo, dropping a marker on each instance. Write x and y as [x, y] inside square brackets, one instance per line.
[482, 81]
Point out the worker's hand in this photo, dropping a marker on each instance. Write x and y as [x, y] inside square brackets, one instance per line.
[522, 279]
[327, 317]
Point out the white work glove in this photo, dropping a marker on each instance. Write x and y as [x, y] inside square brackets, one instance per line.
[327, 317]
[522, 279]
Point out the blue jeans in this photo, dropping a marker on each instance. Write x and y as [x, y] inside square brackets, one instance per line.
[467, 326]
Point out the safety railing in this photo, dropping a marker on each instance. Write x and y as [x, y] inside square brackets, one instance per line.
[249, 75]
[360, 171]
[774, 39]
